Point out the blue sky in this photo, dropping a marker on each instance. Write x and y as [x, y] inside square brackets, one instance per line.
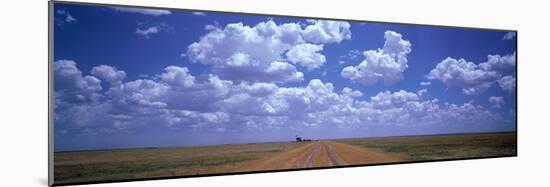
[129, 77]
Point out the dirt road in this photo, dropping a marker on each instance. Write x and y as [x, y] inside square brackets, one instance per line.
[319, 154]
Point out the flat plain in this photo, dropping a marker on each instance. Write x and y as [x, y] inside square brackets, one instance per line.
[443, 147]
[128, 164]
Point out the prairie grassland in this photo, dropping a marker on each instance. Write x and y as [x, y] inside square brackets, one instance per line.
[109, 165]
[113, 165]
[441, 147]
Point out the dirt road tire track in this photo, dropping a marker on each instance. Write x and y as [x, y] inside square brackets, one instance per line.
[311, 156]
[334, 158]
[316, 154]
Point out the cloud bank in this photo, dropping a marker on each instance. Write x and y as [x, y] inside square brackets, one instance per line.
[176, 99]
[476, 78]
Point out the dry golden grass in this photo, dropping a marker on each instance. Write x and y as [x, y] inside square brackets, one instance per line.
[93, 166]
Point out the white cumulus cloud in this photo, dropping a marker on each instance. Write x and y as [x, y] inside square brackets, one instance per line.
[325, 31]
[386, 64]
[507, 83]
[473, 78]
[109, 74]
[263, 52]
[307, 55]
[72, 86]
[178, 77]
[497, 62]
[467, 75]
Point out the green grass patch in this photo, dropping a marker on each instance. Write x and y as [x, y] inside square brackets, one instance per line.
[437, 147]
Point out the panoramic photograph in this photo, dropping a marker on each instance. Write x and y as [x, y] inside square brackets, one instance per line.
[149, 93]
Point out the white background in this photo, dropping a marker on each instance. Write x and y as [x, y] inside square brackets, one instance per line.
[23, 92]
